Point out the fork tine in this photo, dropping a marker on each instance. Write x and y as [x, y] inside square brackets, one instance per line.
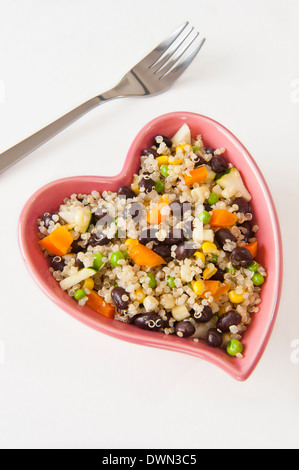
[163, 71]
[150, 59]
[176, 44]
[175, 72]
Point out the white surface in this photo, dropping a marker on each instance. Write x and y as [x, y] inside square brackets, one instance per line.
[63, 385]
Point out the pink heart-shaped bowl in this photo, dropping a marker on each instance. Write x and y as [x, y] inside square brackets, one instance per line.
[49, 198]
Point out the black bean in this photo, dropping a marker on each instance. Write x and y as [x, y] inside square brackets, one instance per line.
[75, 248]
[222, 235]
[100, 213]
[210, 150]
[184, 329]
[214, 338]
[246, 230]
[188, 228]
[179, 209]
[149, 321]
[78, 263]
[207, 207]
[163, 138]
[148, 235]
[126, 192]
[150, 151]
[240, 256]
[167, 320]
[185, 250]
[147, 183]
[228, 319]
[163, 250]
[57, 263]
[199, 161]
[135, 210]
[204, 316]
[175, 237]
[117, 295]
[243, 205]
[218, 164]
[218, 276]
[98, 239]
[176, 208]
[47, 218]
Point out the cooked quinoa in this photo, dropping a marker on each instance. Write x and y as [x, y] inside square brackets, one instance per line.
[173, 253]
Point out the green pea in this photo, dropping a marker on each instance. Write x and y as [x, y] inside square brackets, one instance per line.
[234, 347]
[258, 279]
[214, 259]
[171, 283]
[126, 254]
[116, 257]
[254, 266]
[115, 222]
[164, 170]
[159, 186]
[231, 270]
[97, 261]
[152, 281]
[79, 294]
[204, 217]
[213, 199]
[195, 148]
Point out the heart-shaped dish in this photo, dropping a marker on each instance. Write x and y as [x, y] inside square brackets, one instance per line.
[50, 196]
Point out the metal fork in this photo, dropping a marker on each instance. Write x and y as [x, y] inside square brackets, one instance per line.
[154, 74]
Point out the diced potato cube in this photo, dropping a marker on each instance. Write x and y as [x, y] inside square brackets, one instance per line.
[180, 312]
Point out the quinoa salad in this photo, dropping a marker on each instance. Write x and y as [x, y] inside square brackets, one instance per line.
[174, 253]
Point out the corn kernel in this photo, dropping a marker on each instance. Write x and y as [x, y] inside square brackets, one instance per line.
[140, 296]
[184, 147]
[235, 298]
[131, 242]
[162, 160]
[135, 189]
[88, 284]
[198, 287]
[222, 310]
[176, 161]
[209, 247]
[200, 255]
[209, 272]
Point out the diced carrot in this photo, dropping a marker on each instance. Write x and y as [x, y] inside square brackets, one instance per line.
[154, 215]
[164, 199]
[222, 218]
[196, 176]
[144, 256]
[99, 305]
[252, 247]
[222, 289]
[58, 241]
[211, 287]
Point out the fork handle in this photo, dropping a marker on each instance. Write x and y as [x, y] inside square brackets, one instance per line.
[28, 145]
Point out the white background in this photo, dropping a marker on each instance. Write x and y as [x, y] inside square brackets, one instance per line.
[63, 385]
